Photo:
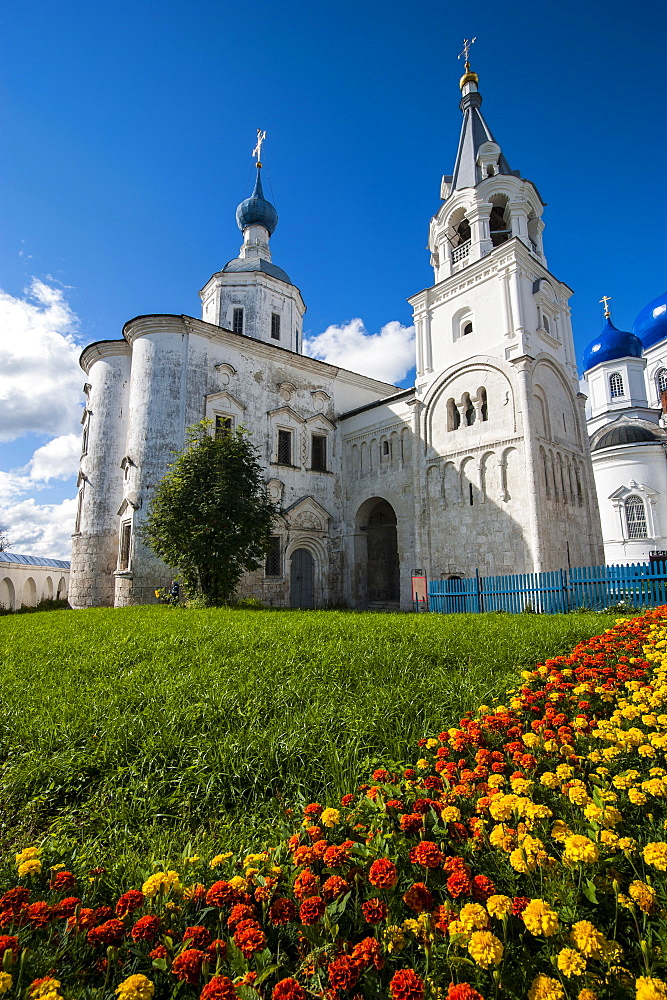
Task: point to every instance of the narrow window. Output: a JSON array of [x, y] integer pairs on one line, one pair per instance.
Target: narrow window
[[484, 408], [635, 515], [545, 323], [453, 415], [385, 447], [467, 328], [223, 426], [273, 564], [237, 321], [470, 494], [275, 326], [318, 453], [84, 436], [124, 549], [285, 447], [79, 511], [469, 409], [615, 385]]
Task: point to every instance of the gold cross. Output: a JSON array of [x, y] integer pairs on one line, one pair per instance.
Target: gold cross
[[257, 151], [467, 43], [606, 299]]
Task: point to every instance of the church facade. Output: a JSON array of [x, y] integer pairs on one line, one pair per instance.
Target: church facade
[[483, 464]]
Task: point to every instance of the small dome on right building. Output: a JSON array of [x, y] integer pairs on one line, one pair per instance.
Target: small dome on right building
[[611, 344], [651, 323]]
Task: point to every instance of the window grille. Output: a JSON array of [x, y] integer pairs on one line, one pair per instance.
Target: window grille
[[318, 453], [237, 321], [615, 385], [635, 515], [275, 326], [124, 550], [285, 447], [661, 380], [273, 564], [223, 426]]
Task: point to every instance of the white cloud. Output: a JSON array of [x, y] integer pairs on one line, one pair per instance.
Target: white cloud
[[57, 459], [40, 529], [41, 379], [388, 355]]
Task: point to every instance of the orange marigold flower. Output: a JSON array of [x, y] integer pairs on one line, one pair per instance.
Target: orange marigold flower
[[130, 901], [282, 911], [219, 988], [312, 910], [367, 953], [158, 952], [383, 873], [334, 887], [66, 906], [482, 888], [111, 932], [347, 800], [411, 822], [38, 914], [306, 884], [83, 921], [343, 973], [217, 949], [427, 854], [406, 985], [239, 912], [335, 856], [313, 809], [459, 884], [374, 911], [221, 894], [61, 881], [463, 991], [8, 941], [418, 897], [197, 937], [288, 989], [187, 966], [249, 937], [14, 899], [146, 928]]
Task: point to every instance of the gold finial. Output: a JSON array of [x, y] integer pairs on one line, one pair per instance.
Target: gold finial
[[468, 76], [606, 299], [257, 151]]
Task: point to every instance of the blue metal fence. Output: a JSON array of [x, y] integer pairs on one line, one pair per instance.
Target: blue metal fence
[[594, 587]]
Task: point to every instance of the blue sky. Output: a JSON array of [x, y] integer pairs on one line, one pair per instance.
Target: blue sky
[[129, 128]]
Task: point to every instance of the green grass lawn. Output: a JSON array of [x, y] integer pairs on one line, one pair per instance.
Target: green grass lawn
[[128, 733]]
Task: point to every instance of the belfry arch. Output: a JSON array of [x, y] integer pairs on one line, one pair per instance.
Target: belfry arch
[[378, 581]]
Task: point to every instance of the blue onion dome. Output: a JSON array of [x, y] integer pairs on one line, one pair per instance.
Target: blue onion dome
[[611, 345], [651, 323], [256, 210]]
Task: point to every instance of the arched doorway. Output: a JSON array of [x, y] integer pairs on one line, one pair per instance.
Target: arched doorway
[[29, 598], [302, 579], [382, 567], [7, 594]]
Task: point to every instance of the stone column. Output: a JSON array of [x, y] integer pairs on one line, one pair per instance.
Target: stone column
[[480, 234]]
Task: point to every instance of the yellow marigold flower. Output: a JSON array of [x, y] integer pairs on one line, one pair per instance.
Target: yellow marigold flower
[[238, 883], [545, 988], [423, 764], [31, 867], [191, 890], [535, 810], [587, 995], [550, 780], [654, 786], [220, 859], [528, 856], [655, 854], [520, 786], [499, 906], [560, 831], [539, 918], [578, 795], [501, 838], [485, 948], [161, 882], [496, 781], [135, 987], [587, 938], [649, 988], [46, 986], [646, 750], [637, 798], [330, 817], [531, 739], [474, 917], [580, 848], [5, 982], [450, 814], [456, 927], [609, 838], [565, 772], [27, 854], [412, 925], [570, 962], [393, 938], [627, 844], [432, 743], [643, 895], [501, 806]]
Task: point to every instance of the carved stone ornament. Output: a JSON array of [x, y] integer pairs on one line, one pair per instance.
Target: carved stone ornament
[[275, 489], [320, 399], [307, 522], [225, 372], [286, 390], [307, 515]]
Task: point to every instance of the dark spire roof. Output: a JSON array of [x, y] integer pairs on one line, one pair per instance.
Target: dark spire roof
[[474, 132]]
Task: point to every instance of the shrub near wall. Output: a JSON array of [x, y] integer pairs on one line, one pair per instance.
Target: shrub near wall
[[523, 856]]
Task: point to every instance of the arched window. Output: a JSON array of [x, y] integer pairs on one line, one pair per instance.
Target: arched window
[[468, 409], [661, 380], [615, 385], [484, 408], [453, 415], [501, 231], [635, 516], [467, 328]]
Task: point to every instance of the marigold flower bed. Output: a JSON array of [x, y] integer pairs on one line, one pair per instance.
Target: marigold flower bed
[[522, 856]]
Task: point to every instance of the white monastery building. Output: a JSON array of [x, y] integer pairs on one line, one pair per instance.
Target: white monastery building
[[625, 378], [483, 464], [27, 580]]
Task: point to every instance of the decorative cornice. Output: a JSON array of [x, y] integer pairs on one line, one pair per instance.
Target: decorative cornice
[[101, 349]]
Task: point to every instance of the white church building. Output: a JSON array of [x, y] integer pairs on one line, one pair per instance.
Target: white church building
[[484, 464]]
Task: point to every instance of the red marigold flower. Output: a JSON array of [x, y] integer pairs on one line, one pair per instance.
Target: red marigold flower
[[221, 894], [306, 884], [381, 774], [8, 941], [217, 949], [38, 914], [455, 864], [14, 899], [442, 917], [427, 854], [463, 991], [250, 937], [374, 911], [84, 920], [146, 928], [66, 906], [158, 952], [61, 881], [334, 887], [411, 822], [519, 904], [424, 806], [312, 910], [482, 888], [197, 936], [458, 884], [457, 831], [288, 989], [367, 953], [394, 804], [335, 856], [111, 932], [409, 773], [383, 873], [433, 782], [219, 988], [282, 911], [129, 902], [187, 965], [314, 809], [304, 855], [314, 832], [343, 973], [418, 898], [406, 985], [103, 913], [238, 913], [347, 800]]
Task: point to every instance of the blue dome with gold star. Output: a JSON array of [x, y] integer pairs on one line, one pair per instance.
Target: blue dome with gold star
[[651, 323], [611, 345], [256, 210]]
